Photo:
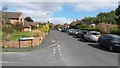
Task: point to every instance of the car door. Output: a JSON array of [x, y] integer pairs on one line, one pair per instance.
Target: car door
[[106, 40], [103, 40], [87, 35]]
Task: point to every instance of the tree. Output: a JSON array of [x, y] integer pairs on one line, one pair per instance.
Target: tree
[[87, 20], [107, 17], [73, 23], [117, 13], [18, 26], [29, 19]]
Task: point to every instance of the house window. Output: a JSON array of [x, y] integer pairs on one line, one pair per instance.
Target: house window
[[21, 19]]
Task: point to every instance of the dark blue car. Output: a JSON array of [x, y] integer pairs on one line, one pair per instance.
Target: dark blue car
[[110, 41]]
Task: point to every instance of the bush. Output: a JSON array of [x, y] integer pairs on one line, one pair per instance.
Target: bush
[[5, 46], [37, 34], [104, 28], [115, 30], [84, 26], [6, 36], [46, 28], [8, 29]]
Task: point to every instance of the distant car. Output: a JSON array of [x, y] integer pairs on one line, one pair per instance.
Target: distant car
[[63, 30], [67, 30], [110, 41], [92, 36], [59, 29], [82, 33]]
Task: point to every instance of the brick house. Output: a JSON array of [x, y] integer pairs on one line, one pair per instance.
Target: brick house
[[13, 17], [35, 24], [27, 27]]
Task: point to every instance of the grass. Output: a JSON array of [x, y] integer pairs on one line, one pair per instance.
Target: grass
[[17, 35]]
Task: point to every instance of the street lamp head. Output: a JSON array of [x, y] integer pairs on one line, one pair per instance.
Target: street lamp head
[[48, 13]]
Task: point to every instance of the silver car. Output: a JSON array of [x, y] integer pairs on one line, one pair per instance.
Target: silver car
[[92, 36]]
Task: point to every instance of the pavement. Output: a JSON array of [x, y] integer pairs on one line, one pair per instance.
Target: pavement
[[68, 52]]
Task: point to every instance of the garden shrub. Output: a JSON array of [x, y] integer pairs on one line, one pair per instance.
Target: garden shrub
[[115, 30], [104, 28], [46, 28]]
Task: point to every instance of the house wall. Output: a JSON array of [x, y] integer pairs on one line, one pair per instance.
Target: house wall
[[14, 21], [26, 29], [21, 19]]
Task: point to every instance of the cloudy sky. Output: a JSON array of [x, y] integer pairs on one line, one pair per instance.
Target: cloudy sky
[[60, 11]]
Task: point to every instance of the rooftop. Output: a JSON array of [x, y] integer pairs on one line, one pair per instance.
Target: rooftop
[[11, 14]]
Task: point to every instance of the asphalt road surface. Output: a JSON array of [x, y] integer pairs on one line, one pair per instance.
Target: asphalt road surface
[[69, 52]]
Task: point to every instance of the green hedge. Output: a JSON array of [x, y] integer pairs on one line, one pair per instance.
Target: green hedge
[[115, 32], [89, 29]]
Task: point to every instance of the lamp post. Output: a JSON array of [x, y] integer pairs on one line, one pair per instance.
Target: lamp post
[[47, 15], [119, 4], [118, 7]]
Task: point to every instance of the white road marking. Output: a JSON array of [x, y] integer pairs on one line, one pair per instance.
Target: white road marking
[[60, 52], [7, 62], [53, 41]]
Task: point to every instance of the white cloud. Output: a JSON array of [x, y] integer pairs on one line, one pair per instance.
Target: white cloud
[[90, 6], [38, 9], [35, 10], [59, 0], [56, 20]]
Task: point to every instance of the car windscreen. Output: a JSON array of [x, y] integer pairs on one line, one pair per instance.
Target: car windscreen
[[117, 39], [84, 32], [95, 33], [79, 31]]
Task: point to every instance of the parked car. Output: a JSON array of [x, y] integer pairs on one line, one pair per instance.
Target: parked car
[[77, 32], [71, 31], [65, 30], [82, 33], [110, 41], [92, 36]]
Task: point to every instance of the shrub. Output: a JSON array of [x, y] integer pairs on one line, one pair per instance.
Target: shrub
[[104, 28], [5, 46], [46, 28], [37, 34], [84, 26], [115, 30], [6, 36]]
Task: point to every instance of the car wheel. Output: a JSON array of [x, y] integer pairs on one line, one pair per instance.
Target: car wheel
[[111, 48], [89, 40], [99, 44]]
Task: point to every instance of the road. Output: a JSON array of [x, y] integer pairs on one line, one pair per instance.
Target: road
[[69, 52]]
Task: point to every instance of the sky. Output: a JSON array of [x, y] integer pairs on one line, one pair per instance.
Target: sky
[[60, 12]]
